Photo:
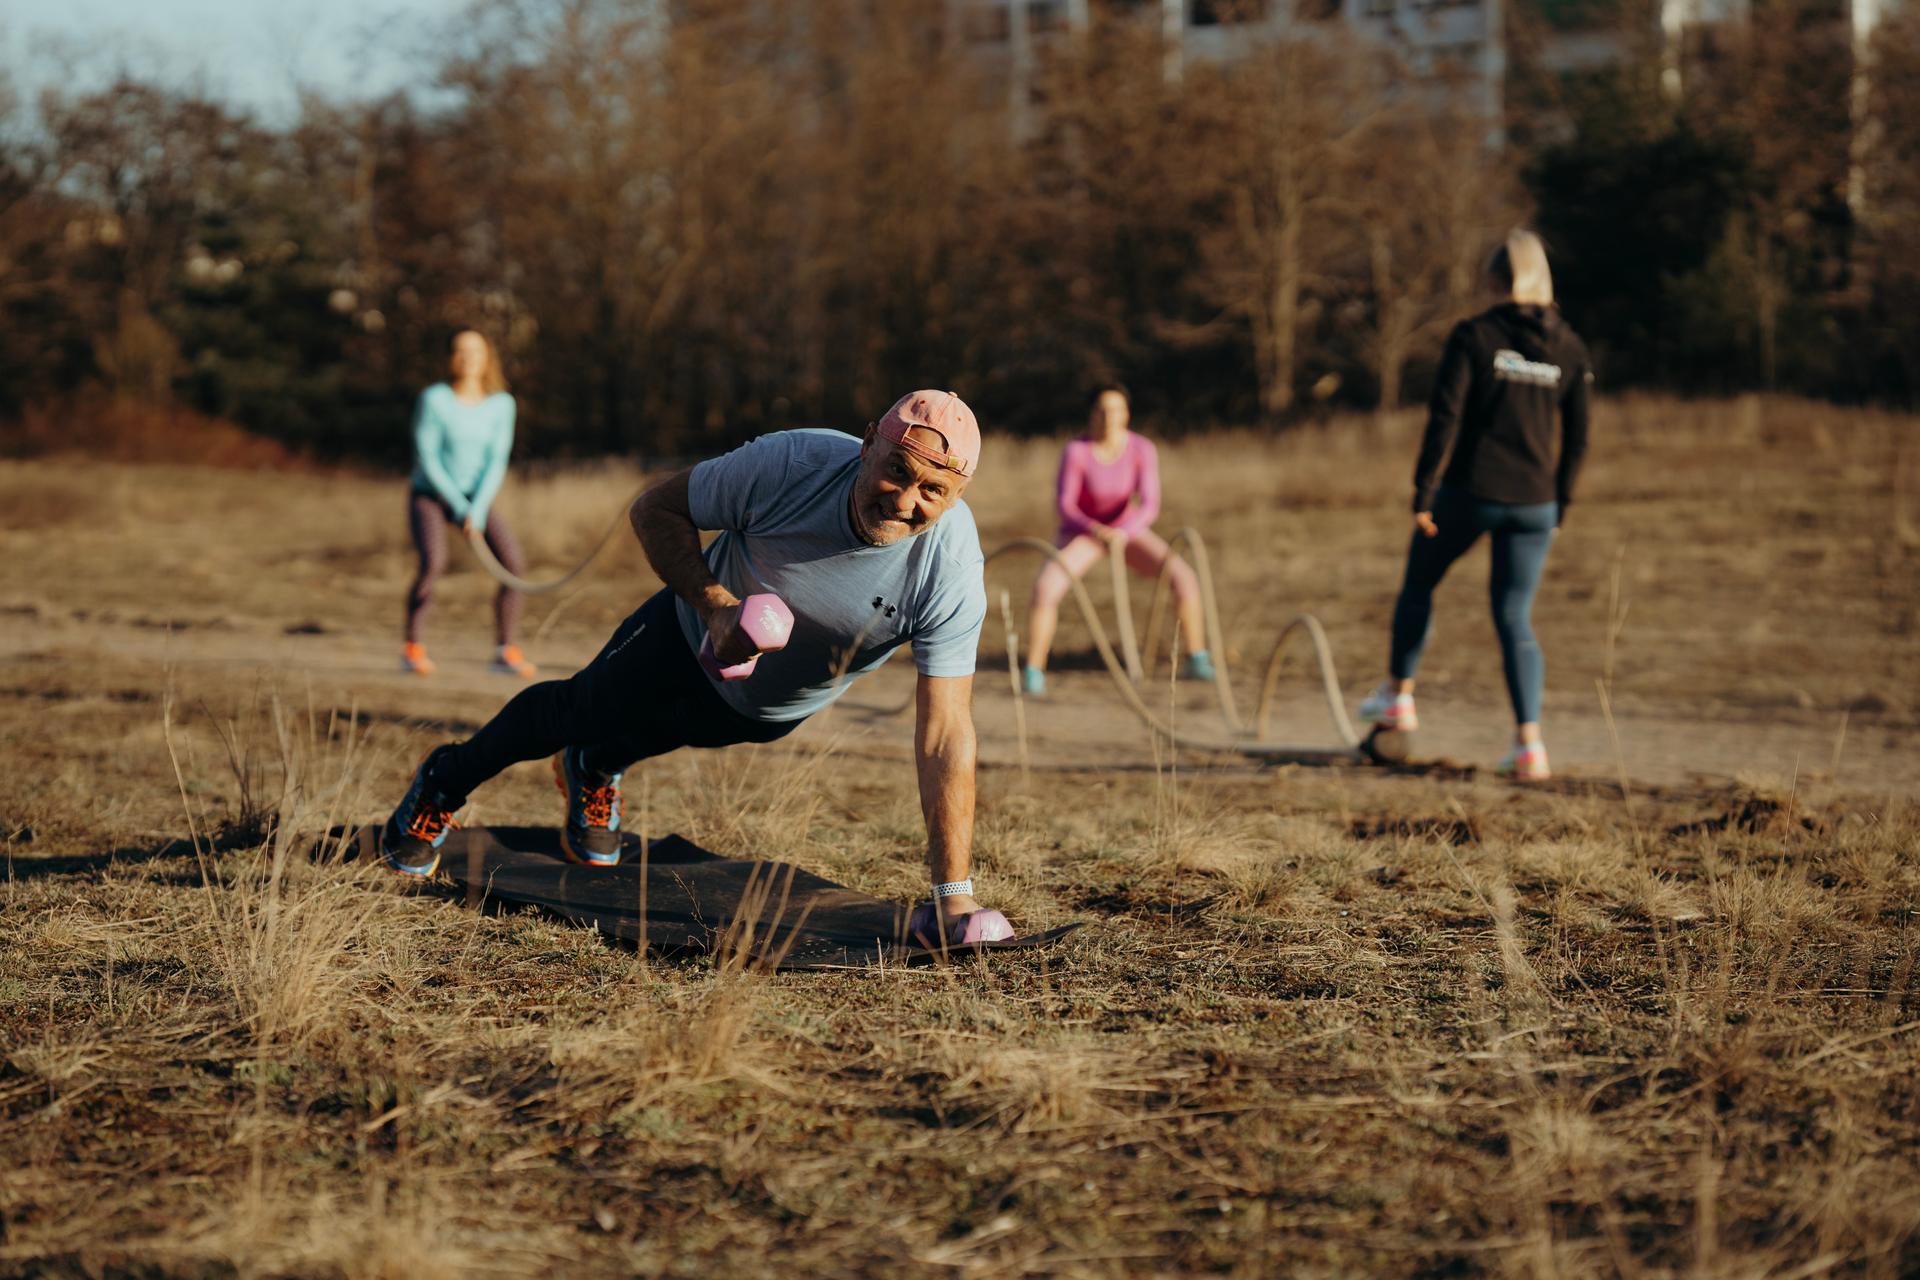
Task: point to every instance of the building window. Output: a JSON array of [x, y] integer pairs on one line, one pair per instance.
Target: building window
[[1224, 13], [988, 24], [1046, 15], [1584, 15], [1456, 59], [993, 23]]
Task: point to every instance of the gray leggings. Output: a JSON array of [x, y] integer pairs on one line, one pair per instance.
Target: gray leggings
[[429, 517]]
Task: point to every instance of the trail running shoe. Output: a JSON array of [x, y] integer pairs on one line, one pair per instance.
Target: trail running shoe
[[1033, 682], [411, 839], [1198, 666], [1389, 710], [591, 833], [509, 661], [414, 660], [1525, 764]]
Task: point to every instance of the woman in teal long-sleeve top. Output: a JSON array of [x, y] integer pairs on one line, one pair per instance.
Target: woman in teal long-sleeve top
[[462, 435]]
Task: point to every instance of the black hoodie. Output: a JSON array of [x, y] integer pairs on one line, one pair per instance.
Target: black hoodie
[[1506, 377]]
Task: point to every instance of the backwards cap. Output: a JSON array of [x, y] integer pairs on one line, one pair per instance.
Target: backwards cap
[[942, 413]]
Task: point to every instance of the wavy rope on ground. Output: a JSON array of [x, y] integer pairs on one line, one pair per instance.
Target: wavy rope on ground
[[1239, 739], [1305, 623], [1127, 667], [508, 578]]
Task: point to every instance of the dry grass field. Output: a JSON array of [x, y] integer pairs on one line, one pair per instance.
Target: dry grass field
[[1658, 1018]]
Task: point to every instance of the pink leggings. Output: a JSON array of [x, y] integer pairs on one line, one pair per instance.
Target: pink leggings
[[429, 517], [1146, 552]]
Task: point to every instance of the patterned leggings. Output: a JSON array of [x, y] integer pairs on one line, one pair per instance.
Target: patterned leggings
[[429, 517]]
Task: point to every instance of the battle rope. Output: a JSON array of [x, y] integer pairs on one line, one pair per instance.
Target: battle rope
[[1316, 636], [1241, 740], [1129, 647], [507, 577], [1126, 667]]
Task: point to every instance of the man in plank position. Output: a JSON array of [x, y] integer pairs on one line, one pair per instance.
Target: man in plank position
[[868, 544]]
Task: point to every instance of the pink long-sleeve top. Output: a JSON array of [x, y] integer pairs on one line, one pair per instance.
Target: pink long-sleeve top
[[1124, 493]]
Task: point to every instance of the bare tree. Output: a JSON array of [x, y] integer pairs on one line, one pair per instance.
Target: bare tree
[[1431, 197], [145, 169], [1287, 124], [1890, 226], [1781, 81]]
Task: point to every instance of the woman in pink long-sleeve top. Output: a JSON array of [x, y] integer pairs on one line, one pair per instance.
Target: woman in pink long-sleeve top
[[1109, 494]]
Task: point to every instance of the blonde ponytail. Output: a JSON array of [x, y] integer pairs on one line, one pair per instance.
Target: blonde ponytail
[[1519, 268]]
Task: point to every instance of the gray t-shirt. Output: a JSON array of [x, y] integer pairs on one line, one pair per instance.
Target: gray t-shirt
[[781, 504]]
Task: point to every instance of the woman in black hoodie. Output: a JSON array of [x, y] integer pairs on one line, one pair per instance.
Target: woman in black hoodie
[[1506, 432]]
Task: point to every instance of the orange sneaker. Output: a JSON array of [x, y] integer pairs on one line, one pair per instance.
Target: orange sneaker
[[509, 661], [414, 660]]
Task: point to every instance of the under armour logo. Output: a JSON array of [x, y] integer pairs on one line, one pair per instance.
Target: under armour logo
[[879, 602]]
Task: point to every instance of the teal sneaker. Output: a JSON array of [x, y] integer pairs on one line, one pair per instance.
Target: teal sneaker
[[1033, 682], [1198, 666]]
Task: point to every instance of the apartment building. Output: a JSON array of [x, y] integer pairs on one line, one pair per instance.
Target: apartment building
[[1456, 49], [1458, 41]]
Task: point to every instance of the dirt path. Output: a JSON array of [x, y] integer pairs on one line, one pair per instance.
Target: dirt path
[[1083, 719], [1081, 723]]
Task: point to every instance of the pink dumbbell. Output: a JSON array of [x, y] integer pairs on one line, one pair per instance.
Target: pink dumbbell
[[768, 623], [986, 925]]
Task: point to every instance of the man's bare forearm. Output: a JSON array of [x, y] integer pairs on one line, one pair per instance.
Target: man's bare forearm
[[945, 750], [946, 799], [672, 545]]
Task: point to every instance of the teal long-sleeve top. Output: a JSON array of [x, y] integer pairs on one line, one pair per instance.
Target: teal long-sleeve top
[[460, 450]]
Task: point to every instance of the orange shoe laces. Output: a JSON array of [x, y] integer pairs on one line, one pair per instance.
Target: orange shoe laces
[[597, 804], [429, 821]]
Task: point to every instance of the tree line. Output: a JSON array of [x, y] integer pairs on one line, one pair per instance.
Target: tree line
[[681, 232]]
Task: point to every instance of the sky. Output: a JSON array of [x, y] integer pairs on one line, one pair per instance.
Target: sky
[[253, 53]]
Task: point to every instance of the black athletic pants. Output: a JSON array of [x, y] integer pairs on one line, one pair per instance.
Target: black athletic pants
[[643, 696]]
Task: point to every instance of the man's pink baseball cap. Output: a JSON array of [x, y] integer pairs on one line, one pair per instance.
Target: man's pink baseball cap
[[942, 413]]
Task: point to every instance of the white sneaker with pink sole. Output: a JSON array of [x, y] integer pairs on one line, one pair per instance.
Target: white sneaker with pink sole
[[1390, 710], [1526, 763]]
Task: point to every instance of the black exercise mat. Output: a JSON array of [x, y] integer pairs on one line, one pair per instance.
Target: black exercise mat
[[675, 897]]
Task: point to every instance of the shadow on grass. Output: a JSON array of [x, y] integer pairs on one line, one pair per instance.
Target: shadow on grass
[[671, 897], [30, 867]]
